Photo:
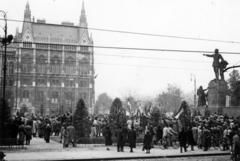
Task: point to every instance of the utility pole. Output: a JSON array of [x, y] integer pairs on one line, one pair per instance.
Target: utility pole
[[194, 90], [5, 41]]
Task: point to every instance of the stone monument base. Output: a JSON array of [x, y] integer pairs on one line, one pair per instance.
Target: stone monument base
[[217, 91]]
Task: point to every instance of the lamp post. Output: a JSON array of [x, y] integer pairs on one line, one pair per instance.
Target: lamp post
[[5, 41], [194, 90]]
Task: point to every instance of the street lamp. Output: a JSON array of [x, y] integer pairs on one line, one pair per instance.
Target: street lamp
[[194, 90], [5, 41]]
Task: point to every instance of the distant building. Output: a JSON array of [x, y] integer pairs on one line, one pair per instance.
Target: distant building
[[55, 65]]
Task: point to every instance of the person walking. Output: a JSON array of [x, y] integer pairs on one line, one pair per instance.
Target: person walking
[[71, 131], [120, 139], [65, 137], [147, 142], [47, 133], [190, 139], [28, 132], [182, 137], [108, 137], [132, 138]]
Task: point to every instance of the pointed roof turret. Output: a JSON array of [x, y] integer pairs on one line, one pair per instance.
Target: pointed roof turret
[[27, 12], [83, 18]]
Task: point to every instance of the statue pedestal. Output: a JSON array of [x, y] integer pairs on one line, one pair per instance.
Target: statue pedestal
[[217, 91]]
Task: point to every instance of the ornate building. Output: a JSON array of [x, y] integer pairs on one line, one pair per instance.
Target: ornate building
[[55, 65], [10, 75]]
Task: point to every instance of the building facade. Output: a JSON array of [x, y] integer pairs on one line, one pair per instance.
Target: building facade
[[10, 75], [55, 65]]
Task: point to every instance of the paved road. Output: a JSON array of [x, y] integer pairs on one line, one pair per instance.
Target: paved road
[[39, 150]]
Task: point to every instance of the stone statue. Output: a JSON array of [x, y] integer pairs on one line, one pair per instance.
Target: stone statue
[[201, 96], [219, 64]]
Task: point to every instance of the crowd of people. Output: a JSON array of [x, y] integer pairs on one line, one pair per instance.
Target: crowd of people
[[214, 131]]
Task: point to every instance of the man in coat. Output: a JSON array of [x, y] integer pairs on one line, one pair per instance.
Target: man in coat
[[182, 137], [120, 139], [47, 133], [108, 136], [71, 131], [147, 142], [132, 138]]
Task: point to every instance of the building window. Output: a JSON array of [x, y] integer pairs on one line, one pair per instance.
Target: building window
[[55, 82], [83, 83], [69, 83], [40, 96], [70, 48], [69, 96], [84, 66], [55, 96], [26, 64], [41, 46], [69, 65], [41, 64], [25, 96], [55, 47], [84, 48], [55, 66], [10, 68], [41, 82], [27, 45], [10, 82], [26, 81]]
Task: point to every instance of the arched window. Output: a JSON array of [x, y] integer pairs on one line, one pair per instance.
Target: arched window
[[55, 64], [41, 64], [26, 63], [69, 65], [55, 96], [25, 96], [84, 66]]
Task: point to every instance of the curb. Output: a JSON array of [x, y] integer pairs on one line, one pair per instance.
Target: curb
[[146, 157]]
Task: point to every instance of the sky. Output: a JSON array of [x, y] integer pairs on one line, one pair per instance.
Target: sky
[[145, 73]]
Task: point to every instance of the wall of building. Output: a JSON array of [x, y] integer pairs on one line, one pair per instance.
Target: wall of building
[[54, 78]]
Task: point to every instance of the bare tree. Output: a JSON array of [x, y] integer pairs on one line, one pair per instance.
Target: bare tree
[[171, 99]]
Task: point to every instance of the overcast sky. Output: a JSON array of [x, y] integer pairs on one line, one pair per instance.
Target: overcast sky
[[145, 73]]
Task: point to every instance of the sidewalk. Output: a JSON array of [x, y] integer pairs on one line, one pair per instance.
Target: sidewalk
[[39, 150]]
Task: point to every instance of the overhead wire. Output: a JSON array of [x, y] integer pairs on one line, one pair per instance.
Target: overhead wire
[[136, 33], [135, 48]]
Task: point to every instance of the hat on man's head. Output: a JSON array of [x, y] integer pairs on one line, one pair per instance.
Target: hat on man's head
[[216, 51]]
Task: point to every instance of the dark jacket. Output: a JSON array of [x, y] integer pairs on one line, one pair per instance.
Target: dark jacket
[[108, 136], [182, 138], [190, 139], [147, 141], [132, 138], [121, 137]]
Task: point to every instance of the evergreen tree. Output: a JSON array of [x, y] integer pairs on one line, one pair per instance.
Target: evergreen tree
[[117, 116], [81, 120]]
